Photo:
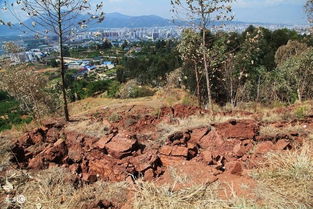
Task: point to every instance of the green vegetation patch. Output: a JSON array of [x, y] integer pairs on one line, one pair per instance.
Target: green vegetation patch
[[10, 112]]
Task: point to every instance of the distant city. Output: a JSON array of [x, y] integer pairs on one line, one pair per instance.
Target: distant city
[[153, 29]]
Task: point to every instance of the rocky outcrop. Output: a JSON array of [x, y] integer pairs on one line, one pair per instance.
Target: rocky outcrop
[[126, 152]]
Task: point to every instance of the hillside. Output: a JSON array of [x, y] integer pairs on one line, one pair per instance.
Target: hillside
[[161, 152]]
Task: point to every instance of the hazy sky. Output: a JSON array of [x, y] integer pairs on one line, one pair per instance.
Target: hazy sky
[[265, 11], [268, 11]]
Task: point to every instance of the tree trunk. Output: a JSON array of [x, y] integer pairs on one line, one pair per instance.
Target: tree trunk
[[206, 70], [299, 95], [198, 85], [66, 114], [258, 89]]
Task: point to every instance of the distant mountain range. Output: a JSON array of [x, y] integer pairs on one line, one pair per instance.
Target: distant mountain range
[[114, 20]]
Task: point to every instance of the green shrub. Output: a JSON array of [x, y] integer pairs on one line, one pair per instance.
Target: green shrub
[[3, 95], [10, 112], [97, 87], [139, 91], [132, 90], [113, 88], [301, 112]]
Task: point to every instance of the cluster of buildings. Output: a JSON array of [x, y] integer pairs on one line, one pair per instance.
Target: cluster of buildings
[[87, 66], [26, 55], [118, 35], [239, 28], [33, 55], [132, 34]]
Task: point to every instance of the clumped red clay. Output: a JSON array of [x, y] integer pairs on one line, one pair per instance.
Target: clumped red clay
[[127, 148]]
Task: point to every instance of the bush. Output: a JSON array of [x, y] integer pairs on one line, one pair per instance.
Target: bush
[[10, 112], [97, 87], [301, 112], [114, 88], [132, 90], [3, 95]]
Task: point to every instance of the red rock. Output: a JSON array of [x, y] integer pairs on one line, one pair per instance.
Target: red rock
[[282, 144], [89, 142], [171, 160], [75, 152], [107, 125], [264, 147], [107, 169], [199, 133], [241, 129], [37, 138], [103, 141], [130, 180], [179, 151], [89, 178], [234, 168], [212, 138], [71, 136], [195, 173], [192, 146], [242, 148], [149, 175], [207, 156], [74, 168], [25, 140], [121, 146], [144, 161], [56, 152], [36, 163], [166, 150], [52, 135]]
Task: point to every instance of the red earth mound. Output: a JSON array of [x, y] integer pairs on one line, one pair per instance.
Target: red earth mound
[[222, 151]]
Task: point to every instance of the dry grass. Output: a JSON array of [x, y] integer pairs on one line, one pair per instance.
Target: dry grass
[[162, 97], [92, 105], [297, 112], [5, 154], [54, 189], [287, 179], [150, 196], [87, 127], [271, 130]]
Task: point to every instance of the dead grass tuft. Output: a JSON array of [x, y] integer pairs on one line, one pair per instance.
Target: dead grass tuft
[[271, 130], [87, 127], [54, 188], [150, 196], [287, 179]]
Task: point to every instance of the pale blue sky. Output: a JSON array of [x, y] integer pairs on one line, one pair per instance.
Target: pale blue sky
[[265, 11], [268, 11]]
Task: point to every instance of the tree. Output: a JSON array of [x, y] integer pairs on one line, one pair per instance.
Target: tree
[[188, 49], [62, 18], [309, 10], [203, 13], [291, 49], [29, 89], [11, 47], [296, 64]]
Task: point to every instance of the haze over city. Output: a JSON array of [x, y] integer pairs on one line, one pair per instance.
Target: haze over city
[[261, 11], [265, 11]]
